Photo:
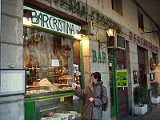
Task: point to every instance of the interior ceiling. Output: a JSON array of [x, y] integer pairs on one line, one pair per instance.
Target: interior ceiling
[[152, 8]]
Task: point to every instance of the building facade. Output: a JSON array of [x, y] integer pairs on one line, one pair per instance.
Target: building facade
[[132, 51]]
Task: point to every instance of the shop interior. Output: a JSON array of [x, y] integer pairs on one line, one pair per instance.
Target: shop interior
[[52, 64]]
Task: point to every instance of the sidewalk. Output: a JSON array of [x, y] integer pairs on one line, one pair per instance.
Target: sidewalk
[[150, 115]]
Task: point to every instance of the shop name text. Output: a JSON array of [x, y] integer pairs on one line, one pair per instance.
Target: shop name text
[[100, 57]]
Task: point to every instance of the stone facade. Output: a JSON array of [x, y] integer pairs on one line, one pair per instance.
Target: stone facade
[[12, 31], [12, 107]]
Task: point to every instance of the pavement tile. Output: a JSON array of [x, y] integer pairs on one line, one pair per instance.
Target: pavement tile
[[153, 114]]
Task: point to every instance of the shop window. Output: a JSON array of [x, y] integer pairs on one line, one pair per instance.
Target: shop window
[[141, 66], [50, 58], [155, 57], [140, 21], [117, 6], [153, 62], [121, 59], [141, 55]]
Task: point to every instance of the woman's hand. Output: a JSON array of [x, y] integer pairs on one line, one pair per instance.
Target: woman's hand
[[74, 85], [91, 99]]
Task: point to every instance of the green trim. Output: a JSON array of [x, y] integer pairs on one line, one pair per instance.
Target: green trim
[[113, 110], [29, 111], [49, 97], [115, 90], [82, 65]]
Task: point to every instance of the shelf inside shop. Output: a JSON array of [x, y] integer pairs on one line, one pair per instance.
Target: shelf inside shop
[[52, 107], [48, 94]]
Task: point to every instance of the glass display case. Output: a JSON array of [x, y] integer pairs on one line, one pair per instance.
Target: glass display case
[[53, 107]]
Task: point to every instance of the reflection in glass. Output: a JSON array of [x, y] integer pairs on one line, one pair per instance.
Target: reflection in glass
[[111, 85]]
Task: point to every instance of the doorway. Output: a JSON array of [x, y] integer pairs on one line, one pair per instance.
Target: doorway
[[141, 66], [122, 91], [113, 98]]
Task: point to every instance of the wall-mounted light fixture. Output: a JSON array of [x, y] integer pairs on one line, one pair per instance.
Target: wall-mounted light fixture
[[26, 15], [111, 33], [82, 32], [152, 64]]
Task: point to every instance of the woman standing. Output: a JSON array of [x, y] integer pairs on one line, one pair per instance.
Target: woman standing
[[95, 95]]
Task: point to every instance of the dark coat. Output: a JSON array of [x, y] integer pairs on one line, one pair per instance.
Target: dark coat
[[93, 110]]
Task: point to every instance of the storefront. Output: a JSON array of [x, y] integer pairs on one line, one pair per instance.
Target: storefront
[[52, 61], [118, 75], [147, 59], [138, 71], [52, 57], [141, 65]]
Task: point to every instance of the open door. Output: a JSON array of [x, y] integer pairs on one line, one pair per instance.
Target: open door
[[113, 97]]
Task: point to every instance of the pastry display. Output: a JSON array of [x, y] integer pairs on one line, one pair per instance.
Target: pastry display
[[39, 50], [65, 77], [34, 84], [45, 82], [47, 60], [64, 115]]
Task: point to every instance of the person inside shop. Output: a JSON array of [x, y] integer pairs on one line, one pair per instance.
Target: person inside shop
[[95, 95]]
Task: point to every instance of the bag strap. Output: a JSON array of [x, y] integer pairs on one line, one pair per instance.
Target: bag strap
[[101, 91]]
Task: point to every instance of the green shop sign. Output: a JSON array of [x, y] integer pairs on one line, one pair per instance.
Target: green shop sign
[[100, 57], [122, 78], [52, 23]]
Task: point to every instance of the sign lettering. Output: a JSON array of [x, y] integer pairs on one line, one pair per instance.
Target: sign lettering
[[122, 78], [72, 6], [100, 58], [52, 23], [144, 43]]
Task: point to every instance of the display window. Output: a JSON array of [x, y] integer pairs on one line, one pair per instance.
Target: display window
[[50, 60]]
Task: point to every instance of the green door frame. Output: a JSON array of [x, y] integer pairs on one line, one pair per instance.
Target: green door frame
[[114, 109]]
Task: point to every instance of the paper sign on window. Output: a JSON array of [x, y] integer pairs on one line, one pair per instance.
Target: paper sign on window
[[55, 62]]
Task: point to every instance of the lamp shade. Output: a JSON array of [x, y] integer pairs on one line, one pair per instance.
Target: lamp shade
[[111, 32], [82, 32], [27, 13]]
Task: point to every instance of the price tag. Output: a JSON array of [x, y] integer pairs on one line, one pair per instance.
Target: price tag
[[61, 99]]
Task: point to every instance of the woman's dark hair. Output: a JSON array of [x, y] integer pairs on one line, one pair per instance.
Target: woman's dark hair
[[97, 76]]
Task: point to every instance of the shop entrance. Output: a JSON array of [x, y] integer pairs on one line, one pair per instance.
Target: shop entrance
[[113, 94], [122, 92], [141, 65]]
